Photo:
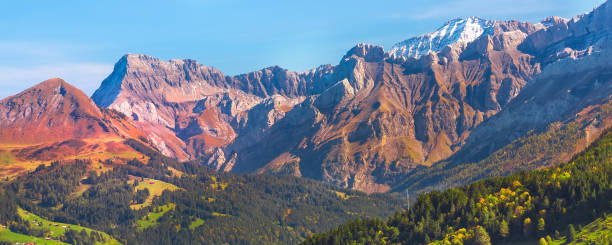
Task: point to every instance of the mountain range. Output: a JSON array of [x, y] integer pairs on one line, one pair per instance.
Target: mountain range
[[495, 131], [361, 124], [432, 112]]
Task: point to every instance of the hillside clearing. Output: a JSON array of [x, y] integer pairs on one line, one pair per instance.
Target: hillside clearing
[[155, 187], [57, 229]]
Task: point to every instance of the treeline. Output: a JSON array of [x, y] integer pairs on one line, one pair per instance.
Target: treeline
[[526, 206], [50, 185]]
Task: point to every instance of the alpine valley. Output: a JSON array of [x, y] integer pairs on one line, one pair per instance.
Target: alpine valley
[[176, 152]]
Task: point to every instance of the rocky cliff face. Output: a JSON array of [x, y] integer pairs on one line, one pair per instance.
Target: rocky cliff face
[[191, 110]]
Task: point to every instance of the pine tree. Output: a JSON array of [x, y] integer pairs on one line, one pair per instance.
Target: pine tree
[[572, 233], [504, 230], [481, 237]]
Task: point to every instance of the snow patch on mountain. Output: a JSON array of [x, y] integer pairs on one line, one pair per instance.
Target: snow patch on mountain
[[457, 31]]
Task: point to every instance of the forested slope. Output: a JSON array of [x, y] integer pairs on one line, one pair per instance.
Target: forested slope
[[519, 208], [164, 201]]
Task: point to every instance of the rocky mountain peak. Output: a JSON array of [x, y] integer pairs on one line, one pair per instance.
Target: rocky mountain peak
[[369, 52], [53, 82], [43, 108], [54, 94], [56, 86], [53, 120], [553, 20], [132, 57]]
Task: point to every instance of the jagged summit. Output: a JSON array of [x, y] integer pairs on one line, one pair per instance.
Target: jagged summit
[[131, 67], [553, 20], [367, 51], [459, 31]]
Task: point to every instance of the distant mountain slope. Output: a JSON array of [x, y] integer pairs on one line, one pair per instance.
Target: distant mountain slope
[[517, 209], [53, 121], [558, 114]]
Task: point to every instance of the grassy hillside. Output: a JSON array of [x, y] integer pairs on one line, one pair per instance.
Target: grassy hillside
[[152, 218], [57, 230], [8, 236], [154, 187], [596, 232], [43, 231]]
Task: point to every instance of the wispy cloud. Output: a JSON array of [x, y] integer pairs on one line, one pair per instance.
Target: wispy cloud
[[26, 63], [12, 48], [484, 8], [16, 52], [86, 76]]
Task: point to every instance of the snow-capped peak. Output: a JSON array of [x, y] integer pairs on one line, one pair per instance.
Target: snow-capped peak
[[457, 31]]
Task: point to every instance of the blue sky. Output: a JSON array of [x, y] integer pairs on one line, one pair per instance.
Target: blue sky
[[81, 40]]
